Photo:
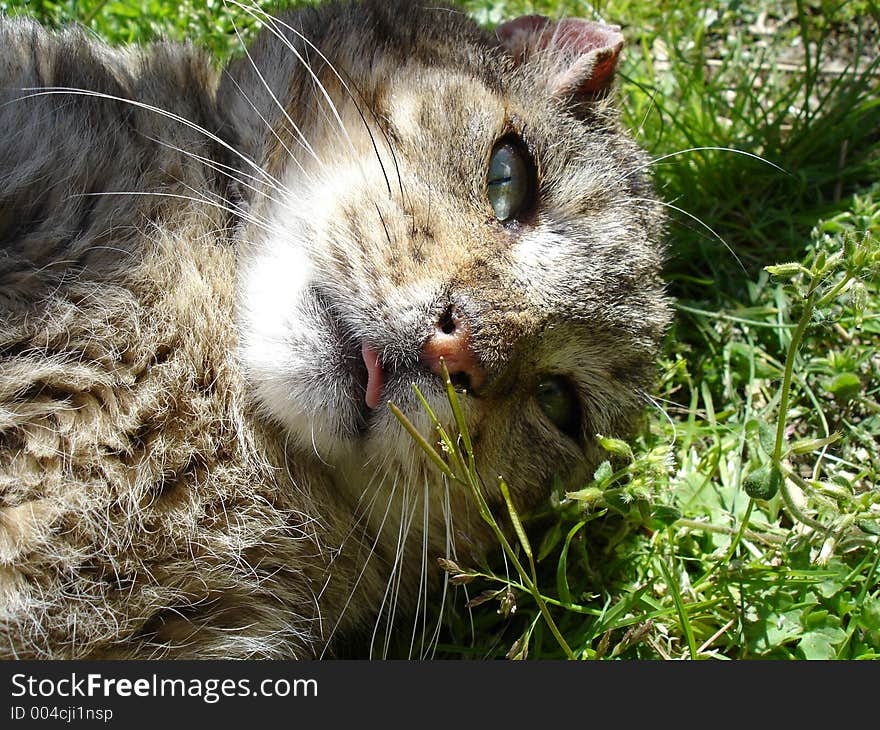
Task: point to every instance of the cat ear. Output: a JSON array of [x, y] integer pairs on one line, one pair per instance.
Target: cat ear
[[582, 54]]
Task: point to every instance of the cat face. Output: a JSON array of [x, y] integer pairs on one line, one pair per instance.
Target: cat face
[[432, 192]]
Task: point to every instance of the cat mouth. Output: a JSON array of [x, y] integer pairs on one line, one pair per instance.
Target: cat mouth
[[368, 379], [357, 380], [375, 381]]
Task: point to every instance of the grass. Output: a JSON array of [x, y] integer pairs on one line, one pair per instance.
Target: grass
[[742, 520]]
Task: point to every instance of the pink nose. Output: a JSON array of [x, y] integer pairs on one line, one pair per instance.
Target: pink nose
[[451, 342]]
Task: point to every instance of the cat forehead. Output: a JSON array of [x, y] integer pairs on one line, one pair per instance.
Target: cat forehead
[[457, 104]]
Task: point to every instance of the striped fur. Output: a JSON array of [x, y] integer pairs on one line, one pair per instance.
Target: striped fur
[[188, 262]]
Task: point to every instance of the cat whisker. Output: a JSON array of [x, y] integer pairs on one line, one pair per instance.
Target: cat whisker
[[422, 594], [656, 404], [315, 448], [272, 26], [346, 87], [238, 210], [375, 483], [640, 132], [426, 566], [410, 516], [372, 549], [696, 219], [384, 226], [302, 138], [193, 198], [61, 90], [732, 150], [393, 583], [448, 550], [350, 89], [222, 169]]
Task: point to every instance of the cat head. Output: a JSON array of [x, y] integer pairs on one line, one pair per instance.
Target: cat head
[[425, 190]]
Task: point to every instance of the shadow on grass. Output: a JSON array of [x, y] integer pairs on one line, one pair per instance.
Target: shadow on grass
[[819, 140]]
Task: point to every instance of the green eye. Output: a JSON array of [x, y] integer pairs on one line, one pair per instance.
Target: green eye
[[557, 399], [509, 181]]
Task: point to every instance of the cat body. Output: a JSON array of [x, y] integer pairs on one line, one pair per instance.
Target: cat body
[[211, 283]]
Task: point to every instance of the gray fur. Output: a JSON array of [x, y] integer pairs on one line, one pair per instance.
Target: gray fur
[[186, 469]]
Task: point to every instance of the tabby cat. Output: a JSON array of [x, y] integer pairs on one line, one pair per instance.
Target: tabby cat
[[213, 283]]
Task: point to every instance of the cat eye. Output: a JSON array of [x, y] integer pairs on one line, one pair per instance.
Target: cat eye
[[509, 181], [558, 400]]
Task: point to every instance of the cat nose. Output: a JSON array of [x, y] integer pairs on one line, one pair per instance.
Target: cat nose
[[451, 343]]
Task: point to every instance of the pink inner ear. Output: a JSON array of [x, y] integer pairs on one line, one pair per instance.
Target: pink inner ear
[[584, 36], [521, 34], [525, 23], [587, 51]]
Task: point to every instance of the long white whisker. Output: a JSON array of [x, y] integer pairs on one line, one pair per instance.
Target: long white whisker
[[193, 198], [422, 595], [272, 26], [222, 169], [654, 402], [278, 22], [703, 149], [395, 576], [450, 550], [61, 90], [641, 130], [363, 569], [697, 220], [410, 516], [302, 138]]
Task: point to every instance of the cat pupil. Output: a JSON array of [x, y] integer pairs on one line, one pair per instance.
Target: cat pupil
[[557, 399], [508, 181]]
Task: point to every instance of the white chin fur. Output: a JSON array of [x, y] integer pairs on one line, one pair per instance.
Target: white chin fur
[[283, 342]]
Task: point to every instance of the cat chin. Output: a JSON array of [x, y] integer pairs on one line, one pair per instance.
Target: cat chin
[[306, 371]]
